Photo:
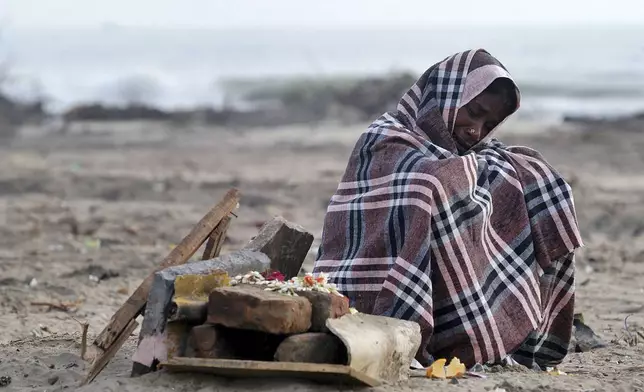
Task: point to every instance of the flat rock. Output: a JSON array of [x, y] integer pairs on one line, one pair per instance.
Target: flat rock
[[325, 306], [249, 307], [312, 348], [285, 243]]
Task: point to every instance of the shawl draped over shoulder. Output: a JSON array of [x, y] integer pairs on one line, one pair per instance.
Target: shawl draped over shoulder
[[477, 248]]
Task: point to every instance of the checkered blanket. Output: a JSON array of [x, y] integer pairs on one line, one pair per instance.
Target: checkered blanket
[[477, 248]]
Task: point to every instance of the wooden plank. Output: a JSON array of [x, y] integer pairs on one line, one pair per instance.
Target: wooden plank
[[179, 255], [107, 356], [243, 369], [109, 337], [216, 239]]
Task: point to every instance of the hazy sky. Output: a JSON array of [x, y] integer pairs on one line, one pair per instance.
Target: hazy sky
[[258, 13]]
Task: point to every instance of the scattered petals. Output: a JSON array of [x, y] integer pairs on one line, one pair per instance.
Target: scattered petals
[[274, 281]]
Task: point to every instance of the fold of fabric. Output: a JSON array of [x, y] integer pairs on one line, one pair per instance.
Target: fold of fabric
[[478, 249]]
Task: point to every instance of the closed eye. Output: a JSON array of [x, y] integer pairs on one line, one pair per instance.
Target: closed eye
[[475, 110]]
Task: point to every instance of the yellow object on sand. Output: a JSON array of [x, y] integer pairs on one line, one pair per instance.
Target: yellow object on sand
[[438, 369], [555, 372], [455, 368]]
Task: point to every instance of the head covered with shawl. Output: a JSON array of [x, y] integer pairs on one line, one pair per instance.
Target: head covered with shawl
[[439, 104], [437, 222]]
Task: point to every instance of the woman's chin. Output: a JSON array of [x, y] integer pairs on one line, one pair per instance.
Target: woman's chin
[[462, 148]]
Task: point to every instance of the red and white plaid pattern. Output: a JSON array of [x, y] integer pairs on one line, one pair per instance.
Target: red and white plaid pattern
[[478, 248]]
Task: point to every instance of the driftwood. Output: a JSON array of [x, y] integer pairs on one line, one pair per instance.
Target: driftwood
[[111, 338]]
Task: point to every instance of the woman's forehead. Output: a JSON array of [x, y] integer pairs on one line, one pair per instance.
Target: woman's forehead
[[477, 80]]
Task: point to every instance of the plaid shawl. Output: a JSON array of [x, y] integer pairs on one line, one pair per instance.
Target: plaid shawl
[[477, 248]]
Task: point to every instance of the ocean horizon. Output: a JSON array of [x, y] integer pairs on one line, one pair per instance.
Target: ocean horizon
[[587, 70]]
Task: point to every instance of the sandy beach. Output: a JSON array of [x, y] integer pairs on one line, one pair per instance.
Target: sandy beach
[[86, 215]]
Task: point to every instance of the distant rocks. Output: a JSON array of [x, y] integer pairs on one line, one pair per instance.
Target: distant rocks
[[631, 123]]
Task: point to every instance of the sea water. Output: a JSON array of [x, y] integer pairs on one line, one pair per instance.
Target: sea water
[[560, 70]]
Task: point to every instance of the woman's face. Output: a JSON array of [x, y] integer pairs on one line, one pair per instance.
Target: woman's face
[[476, 119]]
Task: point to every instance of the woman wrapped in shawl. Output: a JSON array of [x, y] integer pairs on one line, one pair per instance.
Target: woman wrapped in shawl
[[436, 222]]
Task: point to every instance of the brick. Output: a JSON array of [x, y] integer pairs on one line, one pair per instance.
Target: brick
[[250, 307], [285, 243], [204, 342], [312, 347], [214, 341], [324, 306]]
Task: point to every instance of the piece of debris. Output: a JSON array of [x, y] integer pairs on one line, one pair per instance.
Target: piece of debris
[[553, 371], [585, 338], [437, 369], [477, 368], [5, 380], [40, 331], [312, 347], [52, 380], [92, 243], [96, 273], [285, 243], [33, 282], [381, 347], [455, 368], [62, 306], [84, 328]]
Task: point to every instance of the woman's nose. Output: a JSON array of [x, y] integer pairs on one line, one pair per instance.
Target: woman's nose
[[474, 131]]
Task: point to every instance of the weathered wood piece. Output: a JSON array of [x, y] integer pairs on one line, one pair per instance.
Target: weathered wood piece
[[285, 243], [312, 347], [179, 255], [250, 307], [102, 361], [103, 347], [182, 285], [216, 239], [336, 374], [381, 347]]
